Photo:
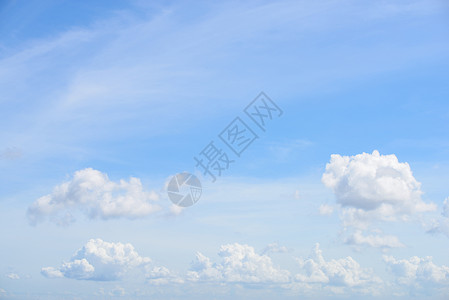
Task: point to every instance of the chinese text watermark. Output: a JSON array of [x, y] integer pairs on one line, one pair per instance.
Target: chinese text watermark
[[212, 161]]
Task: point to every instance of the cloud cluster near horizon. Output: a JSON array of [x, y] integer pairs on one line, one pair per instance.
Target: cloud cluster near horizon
[[99, 260]]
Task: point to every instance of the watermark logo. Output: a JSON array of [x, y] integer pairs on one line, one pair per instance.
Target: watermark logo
[[238, 136], [213, 160], [262, 110], [184, 189]]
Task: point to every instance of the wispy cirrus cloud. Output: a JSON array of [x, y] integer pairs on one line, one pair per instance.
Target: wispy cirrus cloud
[[13, 276], [373, 240], [151, 60]]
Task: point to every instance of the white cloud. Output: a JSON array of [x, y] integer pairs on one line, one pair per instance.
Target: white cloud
[[377, 241], [446, 208], [274, 248], [13, 276], [371, 181], [99, 260], [240, 263], [117, 292], [176, 210], [93, 193], [442, 227], [373, 188], [441, 223], [326, 210], [418, 272], [161, 275], [345, 272], [51, 272], [103, 261]]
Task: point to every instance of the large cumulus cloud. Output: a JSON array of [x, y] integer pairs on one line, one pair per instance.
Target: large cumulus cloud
[[370, 181], [374, 188], [99, 260], [418, 272], [240, 263], [344, 272], [93, 193]]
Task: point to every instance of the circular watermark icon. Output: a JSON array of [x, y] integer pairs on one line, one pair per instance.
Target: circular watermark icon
[[184, 189]]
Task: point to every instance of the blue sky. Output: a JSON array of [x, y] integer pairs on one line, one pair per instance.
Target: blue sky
[[101, 103]]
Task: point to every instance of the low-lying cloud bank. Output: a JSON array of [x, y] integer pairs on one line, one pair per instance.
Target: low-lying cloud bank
[[241, 264]]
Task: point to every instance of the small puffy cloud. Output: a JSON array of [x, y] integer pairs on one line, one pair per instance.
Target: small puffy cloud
[[377, 241], [326, 210], [440, 224], [176, 210], [100, 292], [93, 193], [99, 260], [239, 264], [418, 272], [13, 276], [160, 275], [274, 248], [51, 272], [117, 292], [344, 272], [446, 208]]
